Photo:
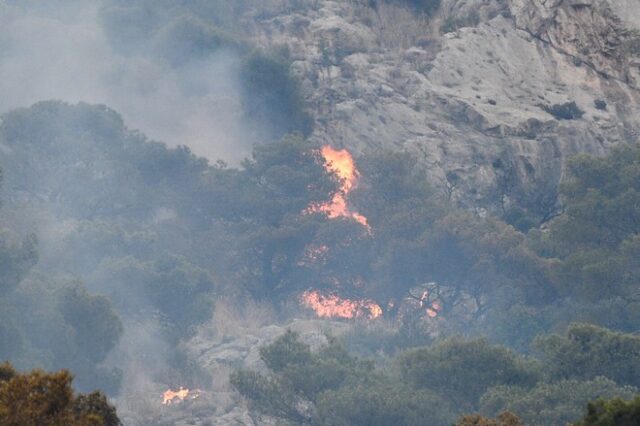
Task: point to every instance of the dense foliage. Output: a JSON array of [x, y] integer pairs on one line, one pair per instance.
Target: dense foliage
[[428, 7], [615, 412], [54, 323], [430, 384], [47, 399], [161, 233], [504, 419], [331, 387], [111, 243]]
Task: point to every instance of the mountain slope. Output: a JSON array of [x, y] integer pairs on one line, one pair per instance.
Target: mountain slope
[[482, 91]]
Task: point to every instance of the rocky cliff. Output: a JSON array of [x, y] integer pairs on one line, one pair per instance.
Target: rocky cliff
[[493, 95]]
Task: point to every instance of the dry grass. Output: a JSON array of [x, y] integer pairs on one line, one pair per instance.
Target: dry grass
[[232, 318]]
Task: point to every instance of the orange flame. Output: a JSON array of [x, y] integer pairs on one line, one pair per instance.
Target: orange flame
[[169, 397], [340, 162], [433, 308], [432, 312], [333, 306]]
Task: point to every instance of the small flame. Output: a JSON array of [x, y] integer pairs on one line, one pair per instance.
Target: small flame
[[332, 306], [432, 312], [433, 308], [340, 162], [169, 397]]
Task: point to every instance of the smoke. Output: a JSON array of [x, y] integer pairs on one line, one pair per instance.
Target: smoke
[[76, 51], [142, 354], [60, 50]]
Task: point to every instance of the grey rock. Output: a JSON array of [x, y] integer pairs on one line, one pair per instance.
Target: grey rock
[[468, 97]]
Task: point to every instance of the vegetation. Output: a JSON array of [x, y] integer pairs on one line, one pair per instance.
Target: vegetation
[[47, 399], [566, 111], [428, 7], [465, 370], [504, 419], [520, 318], [437, 382], [54, 324], [184, 34], [331, 387], [125, 226], [588, 362], [587, 352], [615, 412], [271, 95]]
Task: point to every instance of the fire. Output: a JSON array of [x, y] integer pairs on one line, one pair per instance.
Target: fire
[[432, 307], [432, 312], [332, 306], [340, 162], [169, 397]]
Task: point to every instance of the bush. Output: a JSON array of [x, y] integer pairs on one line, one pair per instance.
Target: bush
[[381, 404], [343, 389], [97, 327], [588, 351], [504, 419], [551, 403], [47, 399], [464, 370], [271, 96], [615, 412], [566, 111], [600, 104], [428, 7]]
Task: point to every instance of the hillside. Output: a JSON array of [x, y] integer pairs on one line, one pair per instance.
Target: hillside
[[471, 90], [321, 212]]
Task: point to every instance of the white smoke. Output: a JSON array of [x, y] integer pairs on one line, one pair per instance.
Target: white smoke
[[58, 50]]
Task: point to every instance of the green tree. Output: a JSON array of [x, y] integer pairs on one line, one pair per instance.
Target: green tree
[[381, 403], [464, 369], [97, 328], [596, 238], [332, 387], [614, 412], [588, 351], [16, 259], [95, 404], [504, 419], [47, 399], [272, 95], [179, 290], [268, 395], [554, 403], [286, 351]]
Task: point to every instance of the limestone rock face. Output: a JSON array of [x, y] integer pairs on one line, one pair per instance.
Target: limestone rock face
[[220, 353], [587, 30], [471, 90], [628, 11]]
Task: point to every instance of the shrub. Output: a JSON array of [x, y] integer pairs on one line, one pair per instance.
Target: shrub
[[464, 370], [272, 96], [428, 7], [615, 412], [600, 104], [566, 111]]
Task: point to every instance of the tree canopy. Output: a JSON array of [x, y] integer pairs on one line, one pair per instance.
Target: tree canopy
[[47, 399]]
